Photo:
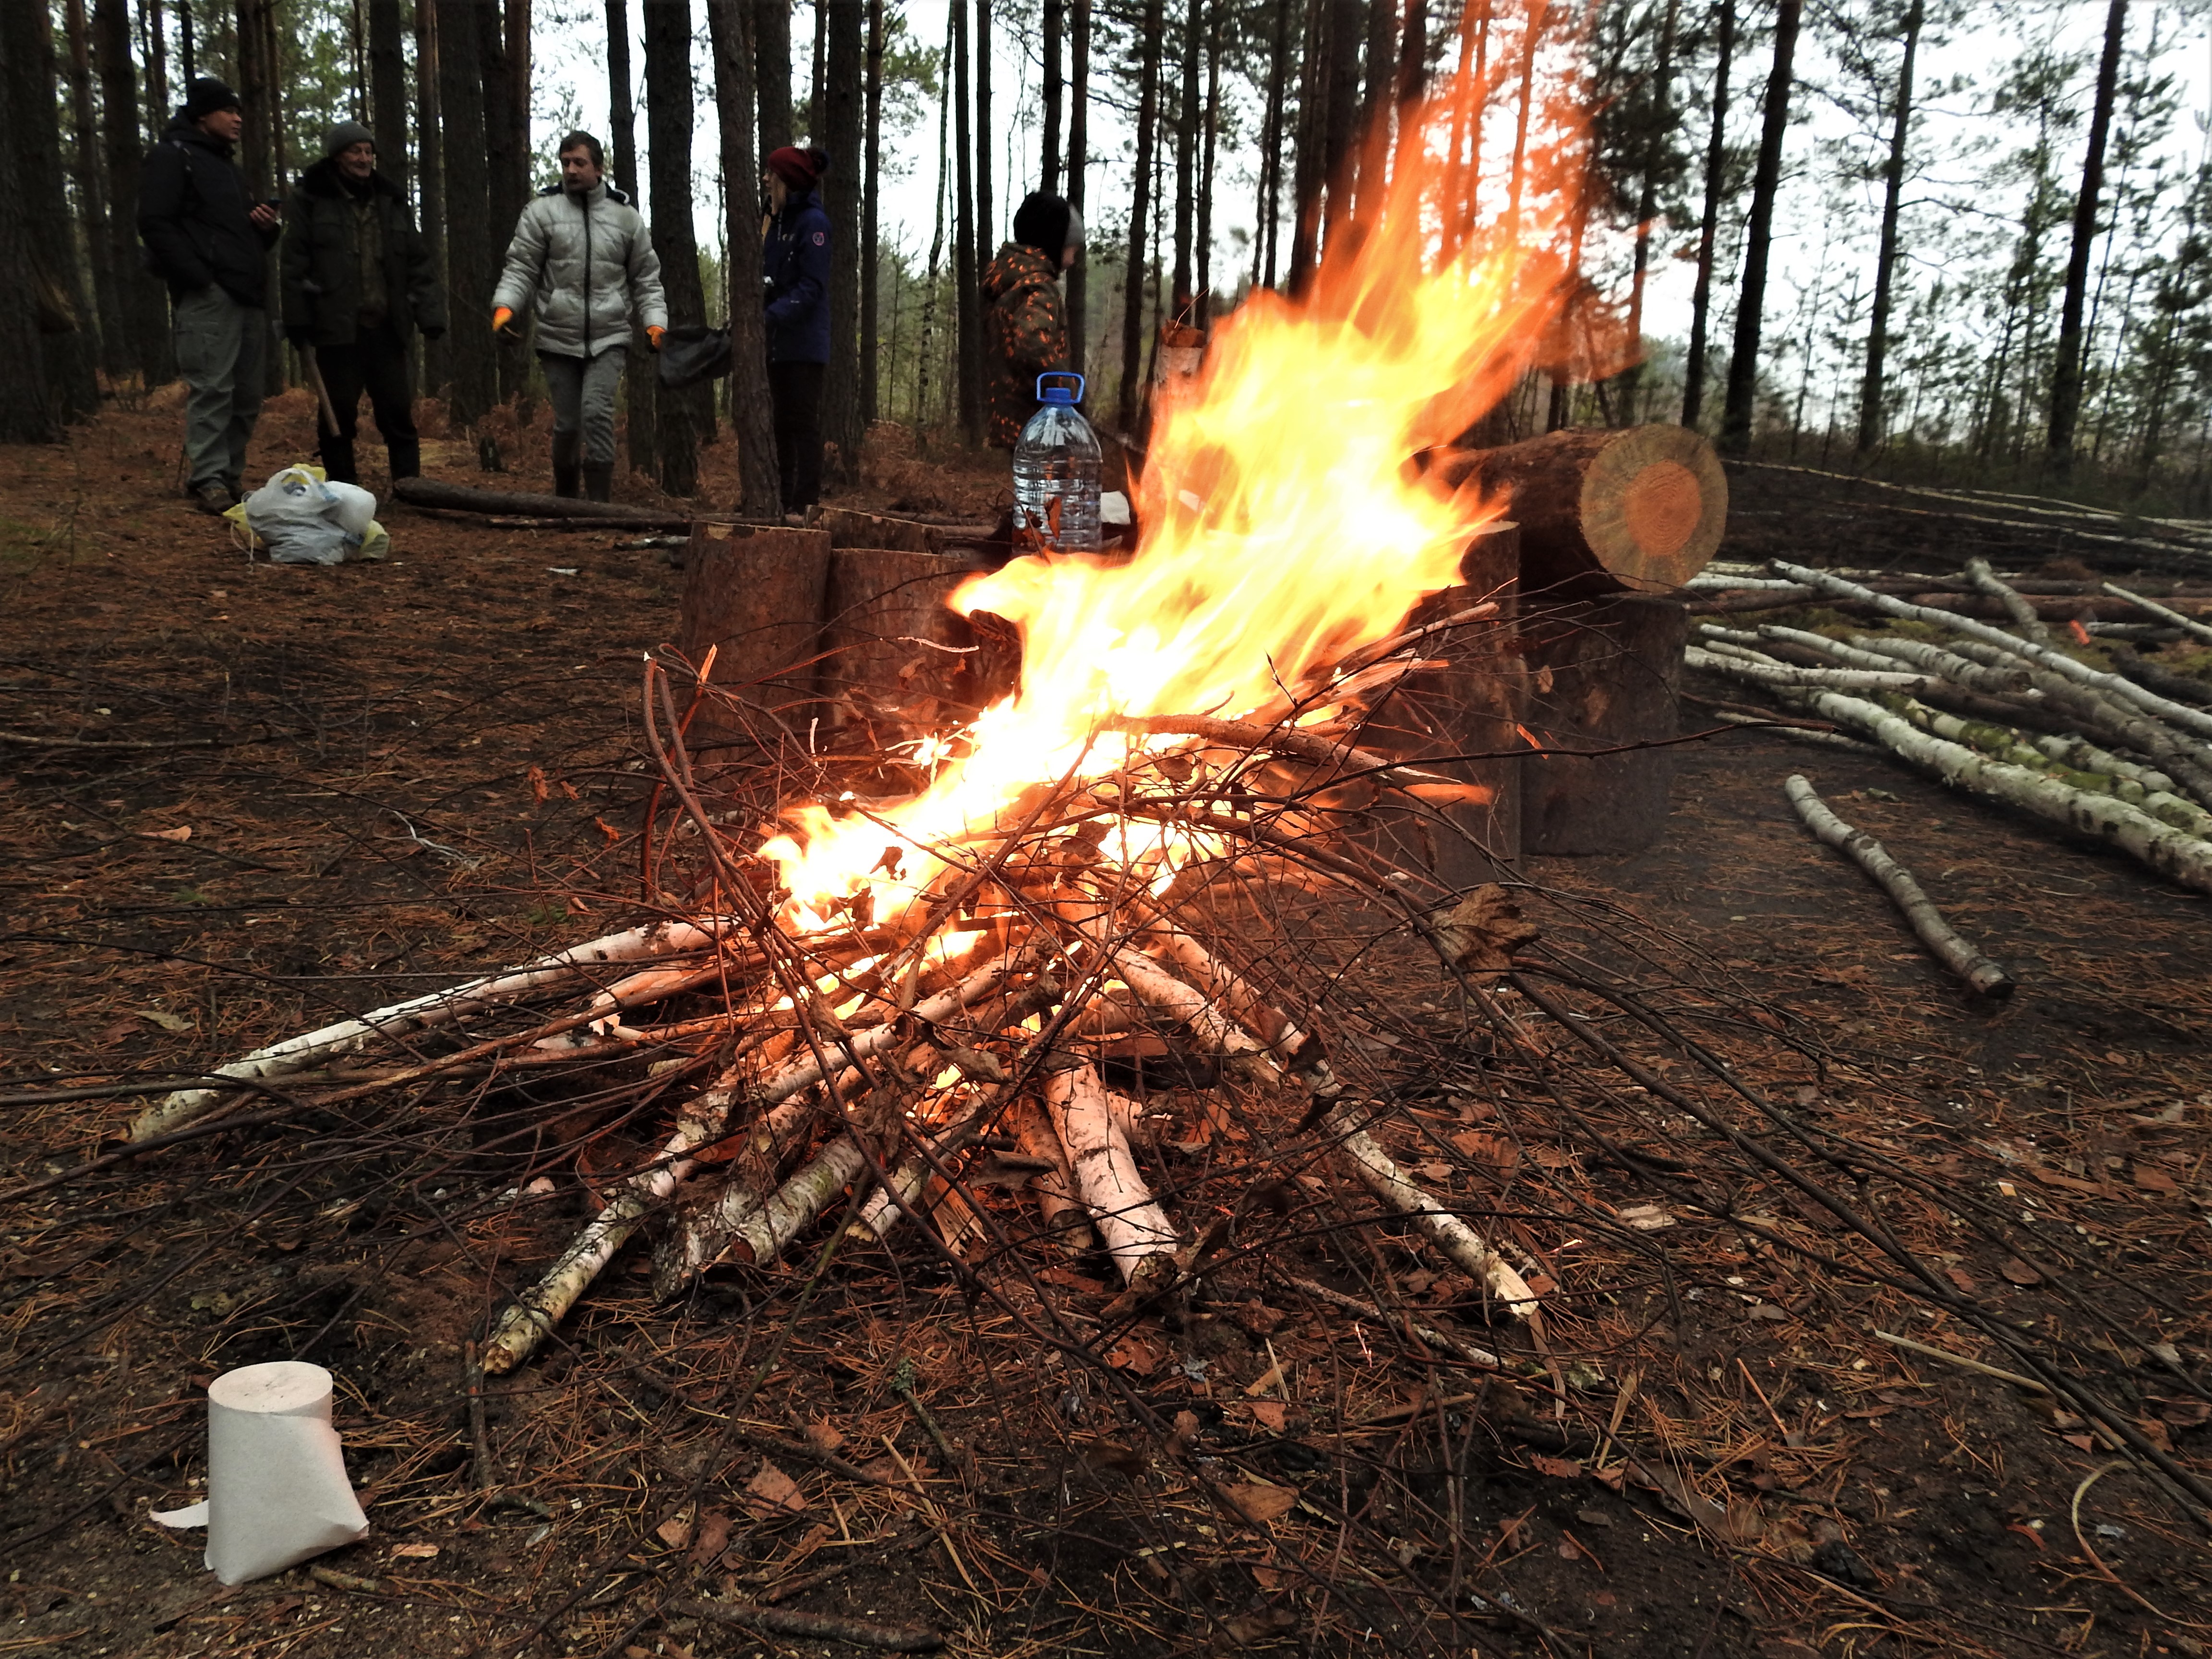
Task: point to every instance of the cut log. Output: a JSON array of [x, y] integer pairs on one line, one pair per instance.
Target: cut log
[[525, 504], [1640, 509], [891, 644], [753, 594], [848, 528], [1927, 923], [1472, 707], [1603, 675]]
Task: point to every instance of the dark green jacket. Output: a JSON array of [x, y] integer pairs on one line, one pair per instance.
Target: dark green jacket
[[322, 277]]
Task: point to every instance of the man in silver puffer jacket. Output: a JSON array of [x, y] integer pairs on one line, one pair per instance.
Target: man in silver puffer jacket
[[581, 254]]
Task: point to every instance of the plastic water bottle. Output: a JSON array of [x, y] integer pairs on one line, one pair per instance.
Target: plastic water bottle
[[1056, 472]]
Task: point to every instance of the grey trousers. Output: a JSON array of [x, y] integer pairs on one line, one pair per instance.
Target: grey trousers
[[222, 346], [583, 394]]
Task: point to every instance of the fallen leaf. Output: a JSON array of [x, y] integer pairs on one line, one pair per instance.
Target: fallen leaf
[[1269, 1414], [1111, 1455], [1186, 1430], [1961, 1278], [1260, 1500], [2152, 1179], [711, 1534], [824, 1435], [1645, 1217], [1257, 1317], [772, 1492], [538, 789], [1434, 1171], [1559, 1468], [416, 1551], [2181, 1413], [676, 1531], [1480, 934], [2019, 1272], [1766, 1310], [1137, 1352], [1495, 1151], [175, 1024], [182, 832], [1248, 1629]]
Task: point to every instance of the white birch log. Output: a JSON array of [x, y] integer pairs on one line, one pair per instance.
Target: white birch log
[[2188, 625], [1986, 580], [2179, 857], [1927, 923], [1135, 1230], [423, 1014], [1066, 1221], [762, 1237], [1789, 674], [2178, 715], [1459, 1242], [700, 1234], [1849, 656]]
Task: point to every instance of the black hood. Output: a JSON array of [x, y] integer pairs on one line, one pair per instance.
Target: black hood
[[323, 180]]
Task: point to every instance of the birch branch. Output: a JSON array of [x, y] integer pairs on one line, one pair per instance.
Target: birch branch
[[2188, 625], [1986, 580], [1927, 923], [1135, 1230]]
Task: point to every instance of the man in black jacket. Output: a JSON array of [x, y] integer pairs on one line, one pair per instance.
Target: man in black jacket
[[357, 281], [206, 235]]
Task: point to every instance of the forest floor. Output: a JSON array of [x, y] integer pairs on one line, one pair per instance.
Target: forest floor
[[395, 775]]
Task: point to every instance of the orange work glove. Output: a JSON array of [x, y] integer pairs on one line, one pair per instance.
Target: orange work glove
[[652, 336], [501, 317]]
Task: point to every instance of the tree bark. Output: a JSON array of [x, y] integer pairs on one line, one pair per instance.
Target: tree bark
[[735, 56], [1701, 295], [153, 43], [1340, 161], [771, 38], [755, 594], [639, 404], [969, 355], [1056, 13], [987, 220], [46, 345], [1375, 96], [1209, 133], [2066, 375], [387, 91], [1079, 167], [507, 161], [104, 325], [843, 132], [1660, 121], [437, 355], [142, 304], [1872, 427], [469, 251], [871, 210], [1736, 415], [683, 416], [1140, 210], [931, 286], [814, 89], [1186, 159], [1605, 676], [1309, 169]]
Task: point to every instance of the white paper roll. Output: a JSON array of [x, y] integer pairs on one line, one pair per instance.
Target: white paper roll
[[277, 1492]]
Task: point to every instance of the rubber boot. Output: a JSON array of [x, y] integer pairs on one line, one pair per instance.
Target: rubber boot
[[566, 447], [406, 457], [598, 481], [337, 459]]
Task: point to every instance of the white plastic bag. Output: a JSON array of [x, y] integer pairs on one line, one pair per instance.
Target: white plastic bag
[[277, 1492], [295, 514], [356, 509]]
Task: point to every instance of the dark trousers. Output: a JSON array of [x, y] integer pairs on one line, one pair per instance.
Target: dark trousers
[[376, 362], [795, 392]]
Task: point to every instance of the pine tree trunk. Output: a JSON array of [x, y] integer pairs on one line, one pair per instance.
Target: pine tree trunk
[[506, 166], [153, 45], [260, 88], [1310, 165], [430, 194], [1186, 159], [1339, 160], [750, 416], [27, 411], [1210, 130], [1758, 236], [1375, 96], [931, 284], [1269, 210], [1140, 210], [639, 407], [111, 337], [1413, 52], [2066, 375], [1872, 427], [1701, 295], [682, 417], [387, 91], [970, 364], [771, 38], [1661, 124], [1055, 12], [842, 131], [871, 208], [469, 249], [141, 303], [1079, 167], [987, 220], [43, 261]]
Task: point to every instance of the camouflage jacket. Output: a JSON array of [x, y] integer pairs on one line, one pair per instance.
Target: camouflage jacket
[[1024, 334]]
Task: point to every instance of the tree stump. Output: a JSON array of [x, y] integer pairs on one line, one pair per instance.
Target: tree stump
[[848, 528], [896, 656], [1472, 707], [1642, 508], [755, 594], [1603, 673]]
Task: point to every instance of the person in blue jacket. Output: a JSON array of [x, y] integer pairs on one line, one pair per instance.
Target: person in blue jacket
[[795, 259]]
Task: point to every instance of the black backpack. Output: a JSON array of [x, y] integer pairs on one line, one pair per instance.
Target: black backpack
[[692, 354]]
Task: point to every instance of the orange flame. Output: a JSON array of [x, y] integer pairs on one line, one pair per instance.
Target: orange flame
[[1282, 523]]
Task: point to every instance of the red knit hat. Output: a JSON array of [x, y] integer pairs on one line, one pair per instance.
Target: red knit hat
[[800, 169]]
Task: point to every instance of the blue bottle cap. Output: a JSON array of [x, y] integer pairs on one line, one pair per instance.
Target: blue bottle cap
[[1060, 394]]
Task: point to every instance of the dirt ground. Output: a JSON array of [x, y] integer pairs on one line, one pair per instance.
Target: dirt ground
[[395, 775]]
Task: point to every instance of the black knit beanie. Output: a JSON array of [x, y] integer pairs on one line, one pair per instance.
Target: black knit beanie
[[1045, 223]]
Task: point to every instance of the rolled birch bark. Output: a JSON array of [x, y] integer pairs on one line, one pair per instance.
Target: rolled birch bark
[[423, 1014], [2179, 857], [1458, 1241], [1927, 923], [1135, 1228], [2188, 625], [1065, 1220], [2180, 715], [2023, 615]]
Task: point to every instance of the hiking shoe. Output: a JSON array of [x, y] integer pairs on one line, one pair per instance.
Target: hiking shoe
[[214, 497]]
